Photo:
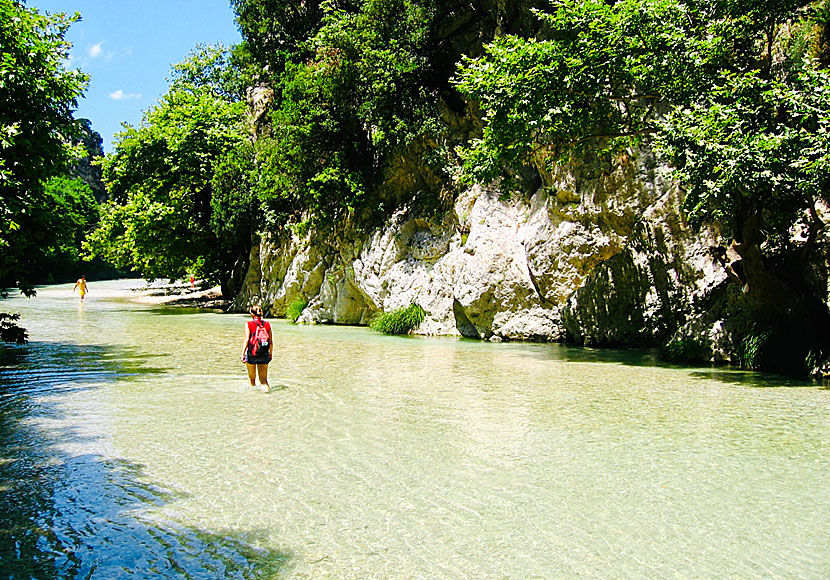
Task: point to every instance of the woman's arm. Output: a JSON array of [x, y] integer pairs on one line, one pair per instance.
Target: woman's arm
[[270, 341]]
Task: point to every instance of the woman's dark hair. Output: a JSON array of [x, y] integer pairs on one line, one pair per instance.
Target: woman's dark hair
[[256, 310]]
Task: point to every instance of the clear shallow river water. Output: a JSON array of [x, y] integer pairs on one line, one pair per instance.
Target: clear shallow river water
[[131, 446]]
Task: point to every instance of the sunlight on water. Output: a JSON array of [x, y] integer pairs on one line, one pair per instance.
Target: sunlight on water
[[131, 443]]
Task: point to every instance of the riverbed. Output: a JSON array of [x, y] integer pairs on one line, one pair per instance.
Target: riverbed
[[132, 446]]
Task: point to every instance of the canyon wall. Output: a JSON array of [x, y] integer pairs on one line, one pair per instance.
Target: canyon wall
[[597, 257]]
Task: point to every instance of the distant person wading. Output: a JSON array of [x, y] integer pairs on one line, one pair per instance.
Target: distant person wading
[[258, 348], [80, 286]]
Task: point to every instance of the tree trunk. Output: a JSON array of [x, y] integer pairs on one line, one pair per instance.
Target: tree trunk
[[233, 283]]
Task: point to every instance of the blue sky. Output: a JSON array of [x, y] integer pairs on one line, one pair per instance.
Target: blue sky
[[128, 46]]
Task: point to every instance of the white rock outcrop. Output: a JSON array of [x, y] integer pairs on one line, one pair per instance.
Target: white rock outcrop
[[603, 260]]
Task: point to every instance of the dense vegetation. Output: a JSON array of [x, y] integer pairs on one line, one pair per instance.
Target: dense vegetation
[[44, 212], [158, 219], [352, 89]]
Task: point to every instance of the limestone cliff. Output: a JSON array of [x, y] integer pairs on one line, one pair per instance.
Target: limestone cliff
[[597, 257], [595, 252]]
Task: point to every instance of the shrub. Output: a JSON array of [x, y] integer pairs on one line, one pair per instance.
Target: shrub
[[400, 321], [686, 351], [296, 309], [754, 349]]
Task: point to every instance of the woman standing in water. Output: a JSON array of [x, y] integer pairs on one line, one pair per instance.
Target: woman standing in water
[[80, 286], [258, 348]]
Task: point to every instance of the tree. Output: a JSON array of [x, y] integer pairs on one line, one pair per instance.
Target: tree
[[62, 218], [275, 31], [235, 211], [159, 178], [349, 100], [754, 156], [596, 83], [37, 99], [86, 167]]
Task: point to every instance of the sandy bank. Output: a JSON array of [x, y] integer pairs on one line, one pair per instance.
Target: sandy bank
[[180, 295]]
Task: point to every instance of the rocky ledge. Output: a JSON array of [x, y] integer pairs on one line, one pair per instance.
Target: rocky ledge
[[599, 259]]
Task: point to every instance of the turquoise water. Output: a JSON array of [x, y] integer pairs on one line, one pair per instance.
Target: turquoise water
[[132, 446]]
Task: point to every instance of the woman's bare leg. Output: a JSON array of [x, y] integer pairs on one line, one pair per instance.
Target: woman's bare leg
[[262, 370], [251, 373]]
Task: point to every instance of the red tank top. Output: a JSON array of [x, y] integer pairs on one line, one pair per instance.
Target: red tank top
[[255, 351]]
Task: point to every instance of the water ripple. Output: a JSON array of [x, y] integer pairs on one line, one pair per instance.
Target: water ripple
[[71, 514]]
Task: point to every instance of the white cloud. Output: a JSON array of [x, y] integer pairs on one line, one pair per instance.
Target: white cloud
[[120, 95], [95, 49]]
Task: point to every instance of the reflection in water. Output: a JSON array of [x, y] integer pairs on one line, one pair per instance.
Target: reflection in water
[[132, 445]]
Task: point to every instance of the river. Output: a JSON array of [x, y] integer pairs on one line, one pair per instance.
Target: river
[[131, 446]]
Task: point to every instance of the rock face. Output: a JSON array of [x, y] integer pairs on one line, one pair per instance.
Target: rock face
[[596, 257]]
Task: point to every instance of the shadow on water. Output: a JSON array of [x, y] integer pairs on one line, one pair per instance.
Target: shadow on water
[[753, 379], [80, 515], [181, 309], [644, 357]]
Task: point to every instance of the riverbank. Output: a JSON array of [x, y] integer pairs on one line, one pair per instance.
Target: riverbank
[[180, 294]]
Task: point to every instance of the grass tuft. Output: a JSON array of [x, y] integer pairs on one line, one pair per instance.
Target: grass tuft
[[400, 321], [295, 309]]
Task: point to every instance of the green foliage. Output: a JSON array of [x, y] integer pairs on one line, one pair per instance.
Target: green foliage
[[56, 221], [754, 348], [161, 179], [379, 53], [37, 98], [596, 82], [726, 90], [275, 30], [753, 146], [87, 167], [686, 351], [400, 321], [67, 213], [295, 309], [10, 331], [189, 189], [349, 97], [234, 208], [605, 71], [212, 68], [746, 133]]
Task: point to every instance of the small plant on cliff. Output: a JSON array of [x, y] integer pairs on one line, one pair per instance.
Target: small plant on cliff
[[296, 309], [754, 348], [400, 321], [686, 351]]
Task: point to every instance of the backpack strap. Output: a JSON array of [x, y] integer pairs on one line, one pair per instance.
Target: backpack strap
[[252, 342]]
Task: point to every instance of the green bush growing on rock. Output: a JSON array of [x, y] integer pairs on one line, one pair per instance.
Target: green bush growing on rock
[[686, 351], [295, 309], [400, 321], [754, 348]]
